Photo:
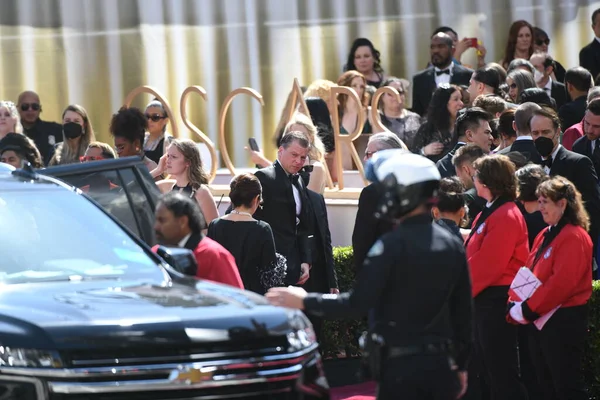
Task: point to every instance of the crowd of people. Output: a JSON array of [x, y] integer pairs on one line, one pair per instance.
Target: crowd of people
[[515, 150]]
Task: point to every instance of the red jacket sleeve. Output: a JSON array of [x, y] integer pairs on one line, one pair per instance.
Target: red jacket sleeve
[[571, 269], [216, 264], [490, 261]]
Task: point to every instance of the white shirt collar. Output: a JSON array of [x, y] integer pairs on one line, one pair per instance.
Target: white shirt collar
[[549, 85], [554, 153], [524, 137], [183, 241], [597, 38]]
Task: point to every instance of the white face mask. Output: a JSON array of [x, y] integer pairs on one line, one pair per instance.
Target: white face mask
[[538, 76]]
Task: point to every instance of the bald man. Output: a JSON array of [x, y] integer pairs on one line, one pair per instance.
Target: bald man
[[46, 135]]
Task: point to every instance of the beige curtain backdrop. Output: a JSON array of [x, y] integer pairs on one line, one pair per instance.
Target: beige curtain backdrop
[[93, 52]]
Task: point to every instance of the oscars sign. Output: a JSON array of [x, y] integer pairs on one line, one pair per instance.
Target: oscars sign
[[343, 142]]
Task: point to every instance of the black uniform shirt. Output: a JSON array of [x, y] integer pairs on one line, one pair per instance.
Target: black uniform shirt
[[417, 281]]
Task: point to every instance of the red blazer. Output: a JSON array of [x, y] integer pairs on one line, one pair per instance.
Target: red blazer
[[571, 135], [215, 263], [498, 248], [564, 270]]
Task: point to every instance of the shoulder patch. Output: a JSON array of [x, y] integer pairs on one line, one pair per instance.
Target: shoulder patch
[[376, 249]]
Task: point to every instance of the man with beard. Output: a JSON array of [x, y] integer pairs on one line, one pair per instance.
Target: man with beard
[[588, 144], [179, 223], [442, 71]]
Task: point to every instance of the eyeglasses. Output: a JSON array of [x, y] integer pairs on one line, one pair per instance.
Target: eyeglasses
[[34, 106], [155, 117], [542, 41], [91, 158]]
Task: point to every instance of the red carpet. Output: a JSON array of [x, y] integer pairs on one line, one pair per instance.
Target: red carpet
[[362, 391]]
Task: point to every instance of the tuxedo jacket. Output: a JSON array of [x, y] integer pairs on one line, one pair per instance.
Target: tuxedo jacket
[[559, 94], [367, 228], [583, 146], [525, 147], [424, 85], [589, 58], [445, 166], [579, 169], [279, 211], [322, 274], [573, 112]]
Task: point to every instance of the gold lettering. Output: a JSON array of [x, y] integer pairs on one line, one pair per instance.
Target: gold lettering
[[345, 140], [205, 139], [150, 90], [223, 116], [375, 116]]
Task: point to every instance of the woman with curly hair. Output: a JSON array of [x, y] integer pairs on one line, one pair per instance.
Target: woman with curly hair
[[9, 118], [435, 137], [78, 134], [128, 127], [365, 58], [184, 165], [17, 149]]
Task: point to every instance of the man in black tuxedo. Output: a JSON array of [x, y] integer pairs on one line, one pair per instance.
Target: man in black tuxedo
[[286, 206], [578, 82], [524, 142], [589, 56], [367, 228], [589, 145], [442, 71], [545, 130], [545, 66], [472, 126], [463, 163]]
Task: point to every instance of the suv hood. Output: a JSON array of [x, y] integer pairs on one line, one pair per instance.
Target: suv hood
[[73, 315]]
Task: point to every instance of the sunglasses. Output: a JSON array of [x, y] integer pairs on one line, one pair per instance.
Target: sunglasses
[[543, 41], [513, 86], [34, 106], [155, 117], [308, 168], [91, 158]]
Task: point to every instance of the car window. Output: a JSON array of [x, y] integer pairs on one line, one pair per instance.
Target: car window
[[142, 206], [51, 235], [107, 188]]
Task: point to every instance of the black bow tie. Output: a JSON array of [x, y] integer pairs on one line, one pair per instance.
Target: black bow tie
[[547, 162], [442, 72]]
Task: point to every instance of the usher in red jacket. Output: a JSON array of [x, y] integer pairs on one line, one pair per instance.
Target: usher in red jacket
[[565, 270], [498, 248]]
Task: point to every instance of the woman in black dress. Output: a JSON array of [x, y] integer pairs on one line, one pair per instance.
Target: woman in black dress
[[250, 241]]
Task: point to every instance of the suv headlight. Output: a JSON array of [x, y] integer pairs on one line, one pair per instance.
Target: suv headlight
[[302, 334], [28, 358]]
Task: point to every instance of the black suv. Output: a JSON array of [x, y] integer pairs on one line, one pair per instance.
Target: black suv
[[89, 312]]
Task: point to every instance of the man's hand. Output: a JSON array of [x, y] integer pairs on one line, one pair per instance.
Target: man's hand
[[304, 273], [463, 379], [334, 291]]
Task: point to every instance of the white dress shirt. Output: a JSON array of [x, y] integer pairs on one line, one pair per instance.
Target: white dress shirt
[[443, 78]]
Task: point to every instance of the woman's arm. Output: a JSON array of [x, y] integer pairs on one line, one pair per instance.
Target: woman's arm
[[207, 204], [317, 178]]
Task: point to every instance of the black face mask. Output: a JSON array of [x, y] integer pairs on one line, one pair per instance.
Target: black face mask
[[72, 130], [544, 146]]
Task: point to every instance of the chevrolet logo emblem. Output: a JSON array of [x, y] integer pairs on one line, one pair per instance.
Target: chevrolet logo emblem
[[191, 376]]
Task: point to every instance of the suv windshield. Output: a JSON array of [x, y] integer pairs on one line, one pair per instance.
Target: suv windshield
[[56, 235]]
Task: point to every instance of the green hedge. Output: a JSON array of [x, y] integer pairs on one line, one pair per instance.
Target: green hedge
[[340, 337]]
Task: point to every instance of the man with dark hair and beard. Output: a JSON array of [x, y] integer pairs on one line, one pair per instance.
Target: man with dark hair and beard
[[441, 71]]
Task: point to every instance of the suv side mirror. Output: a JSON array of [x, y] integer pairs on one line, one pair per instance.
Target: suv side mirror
[[182, 260]]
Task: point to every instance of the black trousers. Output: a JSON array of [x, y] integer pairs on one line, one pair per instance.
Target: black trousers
[[496, 342], [557, 352], [427, 376]]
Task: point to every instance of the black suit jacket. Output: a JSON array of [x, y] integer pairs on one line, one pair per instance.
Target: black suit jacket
[[445, 166], [572, 113], [559, 94], [322, 274], [583, 146], [589, 58], [424, 85], [579, 169], [367, 228], [525, 147], [279, 211]]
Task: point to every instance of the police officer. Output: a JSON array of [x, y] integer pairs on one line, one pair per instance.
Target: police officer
[[417, 280]]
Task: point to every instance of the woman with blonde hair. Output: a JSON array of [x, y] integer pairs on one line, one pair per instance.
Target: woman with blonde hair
[[10, 122], [313, 173], [184, 165], [78, 134]]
